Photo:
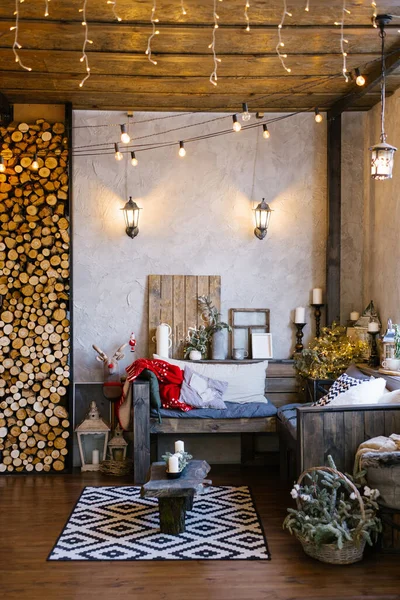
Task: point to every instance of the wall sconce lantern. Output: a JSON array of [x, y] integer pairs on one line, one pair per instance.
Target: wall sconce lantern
[[262, 214], [131, 214], [382, 157]]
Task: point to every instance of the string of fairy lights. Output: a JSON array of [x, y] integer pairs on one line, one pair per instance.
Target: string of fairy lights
[[343, 40], [154, 21]]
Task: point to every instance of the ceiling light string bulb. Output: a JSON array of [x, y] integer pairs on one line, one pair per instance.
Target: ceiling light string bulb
[[213, 76], [86, 41], [155, 31], [113, 3], [307, 8], [118, 154], [246, 116], [280, 43], [183, 9], [236, 125], [182, 151], [2, 165], [318, 117], [35, 162], [360, 79], [266, 134], [134, 160], [125, 137], [343, 40], [46, 8], [16, 45], [246, 15]]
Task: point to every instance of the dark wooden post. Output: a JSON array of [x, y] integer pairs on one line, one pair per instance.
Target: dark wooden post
[[333, 251], [141, 430]]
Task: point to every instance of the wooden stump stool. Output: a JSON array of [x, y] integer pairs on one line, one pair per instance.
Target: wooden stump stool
[[175, 496]]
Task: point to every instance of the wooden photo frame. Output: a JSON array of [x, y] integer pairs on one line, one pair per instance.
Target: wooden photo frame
[[261, 345]]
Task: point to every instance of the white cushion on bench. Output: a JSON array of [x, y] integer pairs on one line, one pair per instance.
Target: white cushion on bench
[[246, 382]]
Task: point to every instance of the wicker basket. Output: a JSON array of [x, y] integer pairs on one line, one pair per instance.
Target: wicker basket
[[330, 553]]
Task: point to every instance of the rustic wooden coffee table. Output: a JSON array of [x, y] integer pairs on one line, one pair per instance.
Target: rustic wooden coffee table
[[175, 496]]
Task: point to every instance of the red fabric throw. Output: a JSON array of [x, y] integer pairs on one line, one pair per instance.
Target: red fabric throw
[[170, 379]]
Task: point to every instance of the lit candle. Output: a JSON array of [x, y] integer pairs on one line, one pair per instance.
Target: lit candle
[[179, 446], [173, 464], [300, 315], [354, 316], [317, 296], [95, 457], [373, 326]]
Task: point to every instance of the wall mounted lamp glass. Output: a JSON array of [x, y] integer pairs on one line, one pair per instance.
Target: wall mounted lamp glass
[[262, 214], [131, 214]]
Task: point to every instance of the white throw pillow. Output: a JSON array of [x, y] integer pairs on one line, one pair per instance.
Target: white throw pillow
[[246, 382], [368, 392], [390, 397]]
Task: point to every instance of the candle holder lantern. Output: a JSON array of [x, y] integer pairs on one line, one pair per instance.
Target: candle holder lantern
[[373, 360], [117, 446], [95, 430], [317, 315], [299, 336]]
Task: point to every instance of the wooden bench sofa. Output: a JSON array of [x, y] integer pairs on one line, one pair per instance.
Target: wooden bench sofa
[[281, 388], [334, 430]]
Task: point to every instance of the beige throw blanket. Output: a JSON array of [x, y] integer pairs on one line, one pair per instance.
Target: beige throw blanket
[[378, 444]]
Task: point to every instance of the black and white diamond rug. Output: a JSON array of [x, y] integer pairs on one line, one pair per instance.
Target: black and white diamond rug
[[115, 523]]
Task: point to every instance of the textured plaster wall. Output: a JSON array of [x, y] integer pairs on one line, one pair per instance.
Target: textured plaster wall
[[196, 219], [382, 221], [354, 176]]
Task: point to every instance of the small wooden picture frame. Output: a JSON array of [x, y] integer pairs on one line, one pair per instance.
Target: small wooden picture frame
[[261, 345]]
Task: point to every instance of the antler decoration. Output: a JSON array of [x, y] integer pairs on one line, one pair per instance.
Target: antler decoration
[[118, 355], [102, 356]]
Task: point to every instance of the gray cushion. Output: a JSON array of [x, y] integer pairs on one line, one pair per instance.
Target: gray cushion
[[234, 410], [353, 371], [287, 415]]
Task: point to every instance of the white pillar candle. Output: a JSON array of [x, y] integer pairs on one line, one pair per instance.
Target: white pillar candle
[[373, 326], [173, 464], [354, 316], [179, 446], [300, 315], [95, 457], [317, 296]]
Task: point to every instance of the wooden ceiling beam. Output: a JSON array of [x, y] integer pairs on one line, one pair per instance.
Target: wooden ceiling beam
[[373, 78]]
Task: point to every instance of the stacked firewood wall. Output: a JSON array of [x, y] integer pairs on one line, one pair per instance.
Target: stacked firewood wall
[[34, 297]]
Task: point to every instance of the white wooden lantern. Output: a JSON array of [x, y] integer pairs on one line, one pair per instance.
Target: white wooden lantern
[[388, 343], [94, 452], [117, 446]]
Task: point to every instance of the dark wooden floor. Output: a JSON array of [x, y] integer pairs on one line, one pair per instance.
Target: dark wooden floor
[[33, 511]]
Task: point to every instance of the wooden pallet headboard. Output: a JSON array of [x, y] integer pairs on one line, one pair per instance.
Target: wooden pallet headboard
[[173, 300]]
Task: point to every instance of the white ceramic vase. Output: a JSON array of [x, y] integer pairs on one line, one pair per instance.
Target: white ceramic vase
[[195, 355]]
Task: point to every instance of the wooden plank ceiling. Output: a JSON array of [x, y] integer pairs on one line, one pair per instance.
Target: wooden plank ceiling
[[122, 77]]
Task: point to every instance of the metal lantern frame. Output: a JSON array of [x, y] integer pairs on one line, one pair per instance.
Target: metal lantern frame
[[388, 343], [117, 442], [382, 158], [131, 214], [92, 424], [262, 213]]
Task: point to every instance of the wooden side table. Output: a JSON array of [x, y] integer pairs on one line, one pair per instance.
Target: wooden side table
[[175, 496]]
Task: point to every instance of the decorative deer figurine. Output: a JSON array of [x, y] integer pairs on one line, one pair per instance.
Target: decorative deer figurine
[[111, 366]]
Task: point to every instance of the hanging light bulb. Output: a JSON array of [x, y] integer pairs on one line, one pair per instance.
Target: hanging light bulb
[[360, 79], [134, 160], [182, 151], [35, 163], [2, 165], [125, 137], [118, 155], [236, 125], [382, 158], [318, 117], [246, 116], [266, 133]]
